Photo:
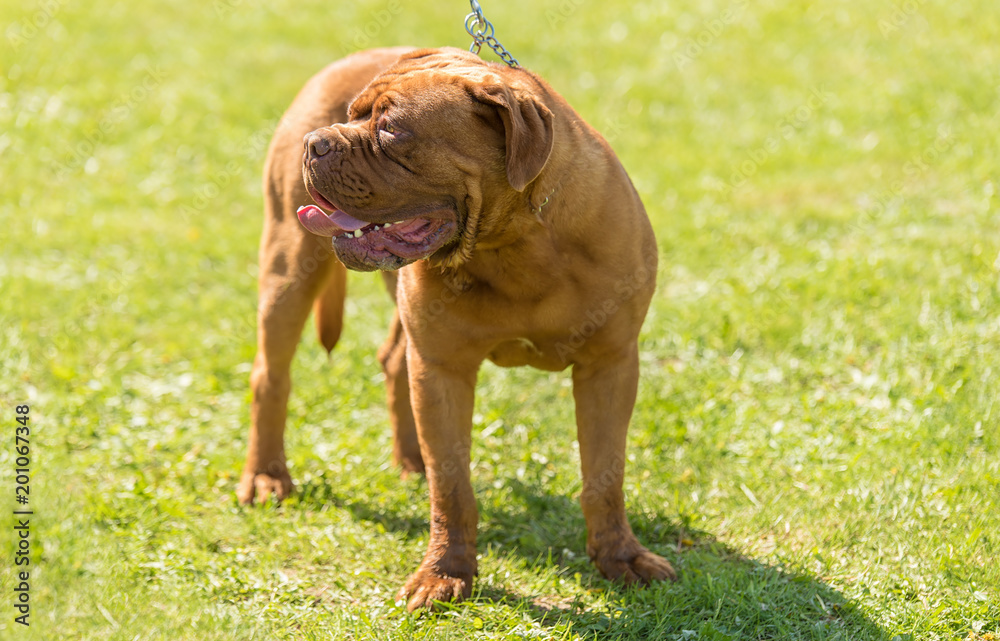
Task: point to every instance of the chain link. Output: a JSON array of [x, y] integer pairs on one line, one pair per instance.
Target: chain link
[[481, 31]]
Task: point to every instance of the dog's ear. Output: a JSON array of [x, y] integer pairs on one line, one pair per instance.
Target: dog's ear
[[528, 128]]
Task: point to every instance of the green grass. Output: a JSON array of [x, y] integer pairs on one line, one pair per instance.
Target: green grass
[[815, 444]]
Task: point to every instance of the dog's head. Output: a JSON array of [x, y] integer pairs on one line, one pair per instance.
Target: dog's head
[[432, 146]]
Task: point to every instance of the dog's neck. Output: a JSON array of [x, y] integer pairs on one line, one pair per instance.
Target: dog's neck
[[515, 257], [513, 252]]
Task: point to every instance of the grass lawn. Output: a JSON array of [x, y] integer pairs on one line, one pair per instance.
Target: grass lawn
[[815, 445]]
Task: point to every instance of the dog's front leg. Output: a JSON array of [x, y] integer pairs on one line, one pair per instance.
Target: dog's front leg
[[443, 400], [605, 395]]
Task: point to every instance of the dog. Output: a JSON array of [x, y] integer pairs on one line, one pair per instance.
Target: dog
[[506, 229]]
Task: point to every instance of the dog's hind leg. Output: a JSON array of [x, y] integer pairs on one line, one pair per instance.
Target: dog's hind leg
[[297, 270], [392, 355]]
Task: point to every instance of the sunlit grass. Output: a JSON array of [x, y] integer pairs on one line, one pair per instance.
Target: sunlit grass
[[815, 445]]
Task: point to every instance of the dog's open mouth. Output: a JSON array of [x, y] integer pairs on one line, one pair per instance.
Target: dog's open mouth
[[366, 246]]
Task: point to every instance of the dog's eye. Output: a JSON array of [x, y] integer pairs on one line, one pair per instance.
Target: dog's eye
[[385, 126]]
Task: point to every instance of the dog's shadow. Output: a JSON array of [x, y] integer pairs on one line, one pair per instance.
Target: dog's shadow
[[721, 594]]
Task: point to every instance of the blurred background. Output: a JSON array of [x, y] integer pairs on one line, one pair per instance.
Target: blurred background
[[815, 442]]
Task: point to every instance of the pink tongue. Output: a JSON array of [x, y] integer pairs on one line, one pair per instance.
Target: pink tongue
[[315, 220]]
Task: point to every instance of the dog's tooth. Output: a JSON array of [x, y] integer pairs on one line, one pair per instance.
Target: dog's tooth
[[375, 228], [357, 233]]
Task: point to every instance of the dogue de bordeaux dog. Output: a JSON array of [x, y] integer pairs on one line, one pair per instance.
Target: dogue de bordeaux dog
[[506, 229]]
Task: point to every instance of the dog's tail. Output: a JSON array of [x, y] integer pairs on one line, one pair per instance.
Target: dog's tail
[[328, 310]]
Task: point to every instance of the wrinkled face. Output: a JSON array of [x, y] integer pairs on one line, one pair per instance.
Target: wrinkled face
[[393, 180], [424, 140]]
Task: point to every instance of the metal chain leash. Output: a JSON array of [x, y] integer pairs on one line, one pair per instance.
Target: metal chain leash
[[481, 31]]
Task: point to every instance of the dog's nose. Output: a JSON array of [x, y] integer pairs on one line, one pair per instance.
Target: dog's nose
[[315, 144]]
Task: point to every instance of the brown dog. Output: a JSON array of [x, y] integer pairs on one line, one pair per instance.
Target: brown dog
[[517, 237]]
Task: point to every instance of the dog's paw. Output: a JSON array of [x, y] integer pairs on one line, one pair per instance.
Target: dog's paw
[[259, 487], [631, 563], [425, 586]]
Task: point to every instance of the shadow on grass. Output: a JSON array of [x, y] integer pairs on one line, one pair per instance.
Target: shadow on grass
[[318, 492], [721, 595]]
